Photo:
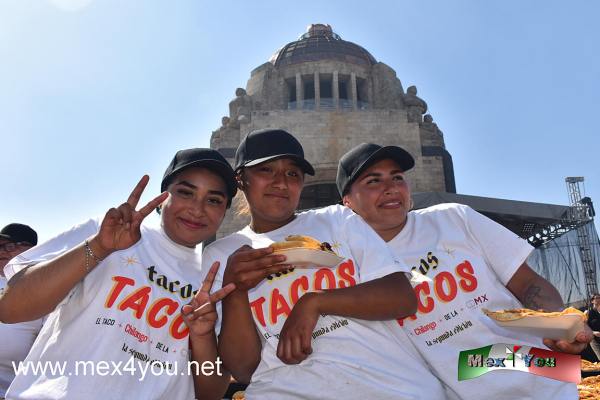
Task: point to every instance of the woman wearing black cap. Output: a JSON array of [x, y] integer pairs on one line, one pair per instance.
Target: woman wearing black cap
[[462, 262], [333, 338], [120, 294]]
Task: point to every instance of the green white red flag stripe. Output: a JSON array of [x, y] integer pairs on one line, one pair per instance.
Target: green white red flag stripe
[[561, 366]]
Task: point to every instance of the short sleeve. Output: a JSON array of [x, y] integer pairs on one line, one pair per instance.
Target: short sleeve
[[502, 249], [53, 247], [374, 257]]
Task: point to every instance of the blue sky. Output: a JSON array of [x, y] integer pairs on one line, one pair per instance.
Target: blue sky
[[93, 94]]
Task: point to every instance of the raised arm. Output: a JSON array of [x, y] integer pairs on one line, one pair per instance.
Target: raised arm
[[36, 290], [239, 343], [385, 298], [537, 293]]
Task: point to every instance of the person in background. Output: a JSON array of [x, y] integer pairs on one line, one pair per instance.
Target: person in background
[[125, 293], [457, 255], [16, 338], [593, 314]]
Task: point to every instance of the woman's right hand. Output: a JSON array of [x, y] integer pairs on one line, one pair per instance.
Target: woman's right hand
[[120, 228], [247, 267], [200, 314]]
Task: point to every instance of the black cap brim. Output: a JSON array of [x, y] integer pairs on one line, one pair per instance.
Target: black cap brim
[[302, 163], [222, 169], [19, 233], [12, 239], [399, 155]]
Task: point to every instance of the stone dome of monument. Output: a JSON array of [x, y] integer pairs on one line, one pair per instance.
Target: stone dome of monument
[[321, 43], [332, 95]]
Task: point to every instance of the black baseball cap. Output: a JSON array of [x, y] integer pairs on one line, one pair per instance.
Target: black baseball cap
[[19, 233], [354, 162], [270, 144], [206, 158]]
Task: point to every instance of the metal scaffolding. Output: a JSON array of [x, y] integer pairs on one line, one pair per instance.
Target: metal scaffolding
[[581, 212]]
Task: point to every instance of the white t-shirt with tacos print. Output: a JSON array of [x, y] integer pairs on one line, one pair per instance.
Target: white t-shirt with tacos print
[[119, 333], [465, 260], [351, 358]]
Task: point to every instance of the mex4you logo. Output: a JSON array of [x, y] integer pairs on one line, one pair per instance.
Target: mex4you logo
[[476, 362]]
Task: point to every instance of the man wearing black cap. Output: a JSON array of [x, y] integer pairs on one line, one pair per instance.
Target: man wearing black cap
[[15, 239], [16, 338], [119, 291], [464, 262]]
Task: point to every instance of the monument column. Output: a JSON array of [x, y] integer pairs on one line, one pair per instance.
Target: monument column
[[353, 90], [336, 91], [317, 91], [299, 97]]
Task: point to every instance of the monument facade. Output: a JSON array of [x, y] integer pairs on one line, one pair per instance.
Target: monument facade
[[332, 95]]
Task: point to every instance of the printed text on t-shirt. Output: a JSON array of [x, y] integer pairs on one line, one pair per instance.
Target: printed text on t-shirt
[[445, 287], [157, 314], [278, 305]]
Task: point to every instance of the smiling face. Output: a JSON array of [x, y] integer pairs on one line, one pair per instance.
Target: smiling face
[[381, 195], [195, 207], [273, 191]]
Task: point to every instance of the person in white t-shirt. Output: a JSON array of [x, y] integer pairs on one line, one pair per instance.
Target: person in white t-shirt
[[291, 335], [462, 261], [16, 338], [126, 314]]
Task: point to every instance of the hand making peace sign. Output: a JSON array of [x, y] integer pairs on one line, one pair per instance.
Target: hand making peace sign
[[200, 314], [120, 227]]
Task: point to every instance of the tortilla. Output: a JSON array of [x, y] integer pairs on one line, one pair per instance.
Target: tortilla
[[518, 313], [301, 242]]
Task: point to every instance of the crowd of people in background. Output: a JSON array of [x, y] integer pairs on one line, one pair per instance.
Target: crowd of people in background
[[116, 289]]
